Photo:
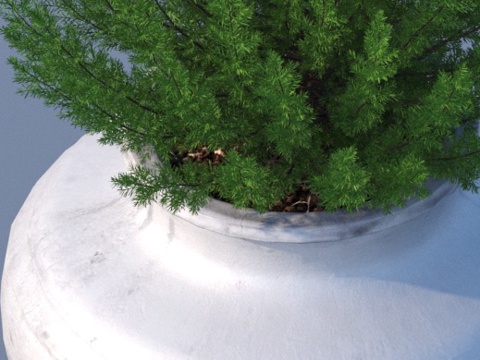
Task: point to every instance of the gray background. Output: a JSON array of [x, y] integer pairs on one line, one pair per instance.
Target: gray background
[[31, 139]]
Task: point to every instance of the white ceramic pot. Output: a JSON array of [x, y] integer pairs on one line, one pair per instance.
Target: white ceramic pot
[[88, 276]]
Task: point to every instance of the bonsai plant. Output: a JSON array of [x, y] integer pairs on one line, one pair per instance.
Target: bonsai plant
[[273, 105]]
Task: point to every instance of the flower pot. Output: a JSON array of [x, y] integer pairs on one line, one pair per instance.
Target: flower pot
[[89, 276]]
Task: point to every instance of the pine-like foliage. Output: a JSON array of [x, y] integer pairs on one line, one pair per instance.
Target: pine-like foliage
[[360, 101]]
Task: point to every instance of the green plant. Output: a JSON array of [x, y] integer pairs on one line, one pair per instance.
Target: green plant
[[359, 102]]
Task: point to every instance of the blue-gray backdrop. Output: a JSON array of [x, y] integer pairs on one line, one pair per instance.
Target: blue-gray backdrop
[[31, 139]]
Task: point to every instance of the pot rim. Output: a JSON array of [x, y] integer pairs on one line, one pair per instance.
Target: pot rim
[[298, 228], [274, 227]]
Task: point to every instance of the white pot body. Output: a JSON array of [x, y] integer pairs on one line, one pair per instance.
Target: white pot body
[[88, 276]]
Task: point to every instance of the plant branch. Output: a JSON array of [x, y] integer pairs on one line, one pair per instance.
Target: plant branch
[[176, 27], [441, 44], [452, 158], [109, 5], [201, 8], [419, 30]]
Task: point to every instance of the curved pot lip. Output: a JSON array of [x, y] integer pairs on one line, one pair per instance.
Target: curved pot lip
[[298, 228], [275, 227]]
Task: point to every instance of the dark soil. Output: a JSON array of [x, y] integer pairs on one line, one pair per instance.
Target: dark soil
[[300, 200]]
